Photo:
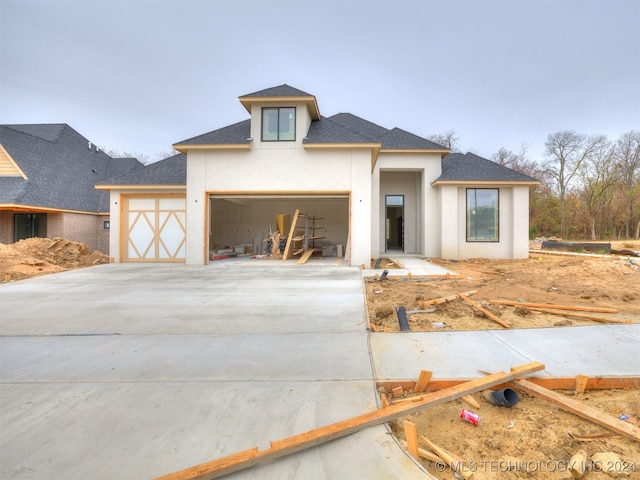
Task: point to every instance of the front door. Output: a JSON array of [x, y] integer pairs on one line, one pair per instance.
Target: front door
[[394, 220]]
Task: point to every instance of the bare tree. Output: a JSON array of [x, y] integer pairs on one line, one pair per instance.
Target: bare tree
[[518, 161], [447, 139], [599, 178], [627, 154], [566, 152]]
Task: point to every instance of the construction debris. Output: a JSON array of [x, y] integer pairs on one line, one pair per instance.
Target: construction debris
[[318, 436]]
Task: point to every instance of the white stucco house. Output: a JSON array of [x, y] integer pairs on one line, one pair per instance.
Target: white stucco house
[[366, 191]]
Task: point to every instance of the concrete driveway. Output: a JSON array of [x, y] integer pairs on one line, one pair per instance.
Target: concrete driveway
[[133, 371]]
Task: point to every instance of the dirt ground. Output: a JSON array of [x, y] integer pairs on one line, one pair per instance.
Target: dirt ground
[[572, 280], [533, 439], [41, 256]]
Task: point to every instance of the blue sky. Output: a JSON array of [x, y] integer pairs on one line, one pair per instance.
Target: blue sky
[[138, 76]]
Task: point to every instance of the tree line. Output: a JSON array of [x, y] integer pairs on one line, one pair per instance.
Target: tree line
[[589, 185]]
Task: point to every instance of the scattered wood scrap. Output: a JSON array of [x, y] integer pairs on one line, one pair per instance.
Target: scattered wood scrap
[[583, 317], [450, 298], [280, 448], [557, 307], [486, 312]]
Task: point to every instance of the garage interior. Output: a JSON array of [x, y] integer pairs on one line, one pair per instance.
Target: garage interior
[[242, 223]]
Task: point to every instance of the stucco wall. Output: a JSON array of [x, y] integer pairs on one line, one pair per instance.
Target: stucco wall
[[411, 175], [513, 218], [287, 170]]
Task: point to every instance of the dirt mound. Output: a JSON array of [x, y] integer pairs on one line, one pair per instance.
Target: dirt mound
[[40, 256]]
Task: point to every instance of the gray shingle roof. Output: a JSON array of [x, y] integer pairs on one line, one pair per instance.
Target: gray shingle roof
[[170, 171], [458, 167], [60, 167], [326, 130], [238, 133], [398, 139], [360, 125], [349, 128], [283, 90]]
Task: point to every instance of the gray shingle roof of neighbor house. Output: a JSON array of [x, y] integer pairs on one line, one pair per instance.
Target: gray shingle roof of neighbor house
[[468, 167], [169, 171], [61, 167]]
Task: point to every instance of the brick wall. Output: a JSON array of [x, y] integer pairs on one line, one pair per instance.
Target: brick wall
[[77, 227], [6, 227]]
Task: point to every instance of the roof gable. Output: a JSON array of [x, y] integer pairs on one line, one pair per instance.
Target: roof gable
[[283, 90], [281, 94]]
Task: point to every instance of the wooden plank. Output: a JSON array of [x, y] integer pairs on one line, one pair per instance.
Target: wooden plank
[[423, 380], [486, 312], [287, 249], [411, 434], [557, 307], [578, 408], [581, 383], [455, 463], [450, 298], [471, 401], [556, 383], [432, 457], [234, 463], [306, 256], [581, 316]]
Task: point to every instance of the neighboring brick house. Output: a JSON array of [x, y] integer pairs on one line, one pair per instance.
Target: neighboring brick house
[[47, 178], [378, 191]]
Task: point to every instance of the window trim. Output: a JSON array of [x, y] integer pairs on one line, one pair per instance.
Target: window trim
[[277, 109], [469, 237]]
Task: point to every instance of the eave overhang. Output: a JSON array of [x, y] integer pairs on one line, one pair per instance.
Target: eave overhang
[[29, 208], [309, 101], [134, 186], [485, 183], [185, 147], [442, 153]]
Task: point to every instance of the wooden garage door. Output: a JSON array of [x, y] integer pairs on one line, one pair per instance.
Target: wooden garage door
[[155, 229]]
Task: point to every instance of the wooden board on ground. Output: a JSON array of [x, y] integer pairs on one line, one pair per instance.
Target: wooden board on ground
[[578, 408], [306, 256], [280, 448]]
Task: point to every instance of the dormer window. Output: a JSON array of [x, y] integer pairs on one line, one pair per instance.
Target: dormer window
[[278, 124]]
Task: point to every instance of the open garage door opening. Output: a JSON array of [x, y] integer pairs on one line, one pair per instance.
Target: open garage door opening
[[243, 225]]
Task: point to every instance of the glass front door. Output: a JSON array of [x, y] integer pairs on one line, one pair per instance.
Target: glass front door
[[394, 220]]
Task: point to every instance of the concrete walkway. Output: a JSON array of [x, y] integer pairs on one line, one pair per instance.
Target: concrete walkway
[[134, 371]]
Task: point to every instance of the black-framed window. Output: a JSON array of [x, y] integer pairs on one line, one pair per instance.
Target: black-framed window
[[278, 124], [29, 225], [483, 215]]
